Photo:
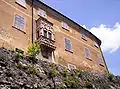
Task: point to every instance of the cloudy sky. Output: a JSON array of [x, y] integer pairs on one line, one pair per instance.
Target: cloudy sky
[[102, 18]]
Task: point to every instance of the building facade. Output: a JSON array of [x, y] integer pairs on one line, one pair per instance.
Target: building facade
[[62, 40]]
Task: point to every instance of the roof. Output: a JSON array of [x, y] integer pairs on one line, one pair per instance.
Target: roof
[[99, 41]]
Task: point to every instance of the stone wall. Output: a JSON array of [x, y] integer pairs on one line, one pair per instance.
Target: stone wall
[[23, 72]]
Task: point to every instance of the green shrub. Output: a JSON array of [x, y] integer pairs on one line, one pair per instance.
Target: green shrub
[[33, 49], [110, 76], [65, 73], [54, 73], [19, 53], [33, 70], [88, 84], [19, 50], [72, 82]]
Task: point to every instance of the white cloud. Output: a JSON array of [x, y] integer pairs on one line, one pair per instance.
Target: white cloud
[[110, 37]]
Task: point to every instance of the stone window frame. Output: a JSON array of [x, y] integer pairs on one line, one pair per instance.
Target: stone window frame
[[83, 36], [96, 45], [100, 60], [87, 53], [64, 25], [42, 13], [21, 3], [20, 29], [69, 50]]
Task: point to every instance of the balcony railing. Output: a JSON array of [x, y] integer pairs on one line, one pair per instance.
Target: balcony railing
[[47, 42]]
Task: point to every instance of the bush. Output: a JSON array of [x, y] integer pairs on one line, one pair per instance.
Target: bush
[[72, 82], [32, 70], [88, 84], [110, 76], [19, 53], [33, 49]]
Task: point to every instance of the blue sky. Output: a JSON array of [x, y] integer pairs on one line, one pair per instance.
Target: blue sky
[[102, 18]]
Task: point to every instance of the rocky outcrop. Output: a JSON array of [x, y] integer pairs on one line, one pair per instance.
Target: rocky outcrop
[[22, 72]]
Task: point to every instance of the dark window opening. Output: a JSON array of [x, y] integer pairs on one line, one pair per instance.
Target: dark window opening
[[49, 35], [45, 33]]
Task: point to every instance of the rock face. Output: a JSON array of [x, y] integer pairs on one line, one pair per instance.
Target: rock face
[[22, 72]]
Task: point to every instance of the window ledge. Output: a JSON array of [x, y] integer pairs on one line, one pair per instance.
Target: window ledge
[[19, 29], [66, 29], [101, 65], [21, 5], [69, 50], [84, 39], [89, 58]]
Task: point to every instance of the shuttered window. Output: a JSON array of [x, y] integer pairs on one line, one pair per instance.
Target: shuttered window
[[65, 25], [21, 2], [96, 45], [68, 45], [19, 22], [100, 60], [87, 53], [83, 36], [42, 13]]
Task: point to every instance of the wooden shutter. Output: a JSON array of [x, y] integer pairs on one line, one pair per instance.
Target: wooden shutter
[[87, 52], [42, 13], [67, 44]]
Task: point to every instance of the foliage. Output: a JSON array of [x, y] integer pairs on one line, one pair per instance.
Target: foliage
[[88, 84], [62, 86], [33, 70], [33, 49], [21, 66], [110, 76], [65, 73], [53, 73], [72, 82], [19, 53], [78, 72]]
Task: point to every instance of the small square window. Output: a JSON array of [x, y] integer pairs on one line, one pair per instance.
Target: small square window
[[65, 25], [42, 13], [96, 45], [83, 36], [21, 2], [71, 66], [87, 53], [68, 45], [19, 22]]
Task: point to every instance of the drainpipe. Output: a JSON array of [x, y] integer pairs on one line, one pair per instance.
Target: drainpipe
[[32, 23]]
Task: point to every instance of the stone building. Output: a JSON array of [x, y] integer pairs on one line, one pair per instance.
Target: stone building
[[62, 40]]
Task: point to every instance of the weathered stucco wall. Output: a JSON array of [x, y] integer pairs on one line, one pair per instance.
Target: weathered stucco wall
[[14, 38]]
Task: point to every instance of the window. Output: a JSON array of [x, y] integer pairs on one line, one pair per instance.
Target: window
[[42, 13], [100, 60], [87, 52], [68, 45], [45, 33], [19, 22], [83, 36], [21, 2], [65, 25], [96, 45], [49, 35], [71, 66]]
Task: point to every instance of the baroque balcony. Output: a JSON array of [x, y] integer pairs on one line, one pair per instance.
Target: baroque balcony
[[46, 42]]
